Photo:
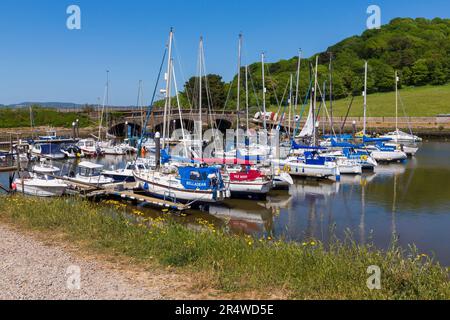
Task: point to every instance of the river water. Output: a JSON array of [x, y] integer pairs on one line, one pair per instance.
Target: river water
[[408, 201]]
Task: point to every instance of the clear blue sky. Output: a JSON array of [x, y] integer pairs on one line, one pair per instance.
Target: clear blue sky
[[41, 60]]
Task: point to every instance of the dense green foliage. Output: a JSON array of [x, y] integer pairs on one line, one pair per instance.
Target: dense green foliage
[[20, 117], [419, 49], [234, 263]]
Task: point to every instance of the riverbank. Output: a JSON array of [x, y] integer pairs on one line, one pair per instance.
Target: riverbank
[[229, 266]]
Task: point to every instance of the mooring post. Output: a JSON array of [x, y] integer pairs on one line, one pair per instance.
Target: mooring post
[[158, 150]]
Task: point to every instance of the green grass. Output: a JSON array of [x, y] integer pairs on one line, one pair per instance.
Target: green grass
[[20, 117], [427, 101], [235, 263]]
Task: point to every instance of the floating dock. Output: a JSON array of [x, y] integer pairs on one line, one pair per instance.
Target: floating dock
[[122, 190]]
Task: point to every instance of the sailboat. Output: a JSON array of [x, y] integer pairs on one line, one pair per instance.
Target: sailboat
[[397, 135], [180, 182], [243, 180], [306, 161], [380, 151]]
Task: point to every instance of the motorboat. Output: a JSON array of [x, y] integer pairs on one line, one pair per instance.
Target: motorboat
[[48, 151], [41, 182], [90, 173], [89, 147], [126, 174], [108, 148], [72, 151]]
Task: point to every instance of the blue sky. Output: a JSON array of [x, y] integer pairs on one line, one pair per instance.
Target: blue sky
[[41, 60]]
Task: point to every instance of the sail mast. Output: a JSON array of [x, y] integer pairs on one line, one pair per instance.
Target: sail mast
[[200, 123], [396, 101], [331, 93], [315, 101], [246, 97], [238, 92], [290, 106], [365, 97], [297, 84], [168, 80], [264, 90]]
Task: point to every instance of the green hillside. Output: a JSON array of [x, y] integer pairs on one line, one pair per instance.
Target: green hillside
[[426, 101], [419, 49]]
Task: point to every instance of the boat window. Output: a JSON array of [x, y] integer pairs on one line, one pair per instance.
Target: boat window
[[141, 167], [195, 175]]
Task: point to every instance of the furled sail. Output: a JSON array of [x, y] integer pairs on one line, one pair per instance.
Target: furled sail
[[308, 129]]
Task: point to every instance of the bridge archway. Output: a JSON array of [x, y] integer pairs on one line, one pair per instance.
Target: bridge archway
[[120, 130], [175, 124], [223, 124]]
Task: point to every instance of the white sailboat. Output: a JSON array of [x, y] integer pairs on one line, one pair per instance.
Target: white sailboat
[[180, 183], [381, 151], [397, 135]]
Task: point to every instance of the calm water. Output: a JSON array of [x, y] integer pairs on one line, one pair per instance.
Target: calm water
[[410, 200]]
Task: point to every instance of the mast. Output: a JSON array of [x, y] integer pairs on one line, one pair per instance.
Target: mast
[[365, 97], [168, 81], [246, 96], [315, 102], [200, 95], [238, 91], [264, 90], [290, 106], [297, 84], [396, 101], [331, 92]]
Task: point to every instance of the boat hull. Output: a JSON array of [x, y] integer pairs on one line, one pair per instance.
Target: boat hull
[[158, 188], [40, 191]]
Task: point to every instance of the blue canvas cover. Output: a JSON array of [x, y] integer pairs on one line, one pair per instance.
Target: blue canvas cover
[[194, 178], [50, 149]]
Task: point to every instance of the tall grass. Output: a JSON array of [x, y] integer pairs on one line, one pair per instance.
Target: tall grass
[[235, 263]]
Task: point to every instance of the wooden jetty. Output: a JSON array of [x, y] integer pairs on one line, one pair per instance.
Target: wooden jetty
[[122, 190]]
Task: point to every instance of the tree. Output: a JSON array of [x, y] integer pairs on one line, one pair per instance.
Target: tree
[[420, 72], [213, 91]]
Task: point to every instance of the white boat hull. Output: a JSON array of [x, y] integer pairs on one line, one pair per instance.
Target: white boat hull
[[35, 189], [171, 189], [301, 169], [388, 156]]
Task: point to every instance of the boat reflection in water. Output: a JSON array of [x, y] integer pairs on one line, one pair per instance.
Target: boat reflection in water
[[244, 216]]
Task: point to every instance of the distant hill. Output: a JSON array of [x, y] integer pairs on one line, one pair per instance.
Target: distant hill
[[54, 105]]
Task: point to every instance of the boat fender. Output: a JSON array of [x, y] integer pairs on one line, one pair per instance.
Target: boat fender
[[287, 169], [146, 186], [14, 186]]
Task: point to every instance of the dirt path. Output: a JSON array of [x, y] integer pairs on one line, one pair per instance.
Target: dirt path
[[34, 268]]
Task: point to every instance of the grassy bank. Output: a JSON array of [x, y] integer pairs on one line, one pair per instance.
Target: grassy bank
[[232, 263], [20, 117], [427, 101]]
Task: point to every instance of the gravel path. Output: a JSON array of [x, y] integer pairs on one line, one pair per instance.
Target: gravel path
[[32, 269]]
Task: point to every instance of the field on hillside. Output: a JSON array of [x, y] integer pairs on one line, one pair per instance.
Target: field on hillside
[[15, 118], [425, 101]]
